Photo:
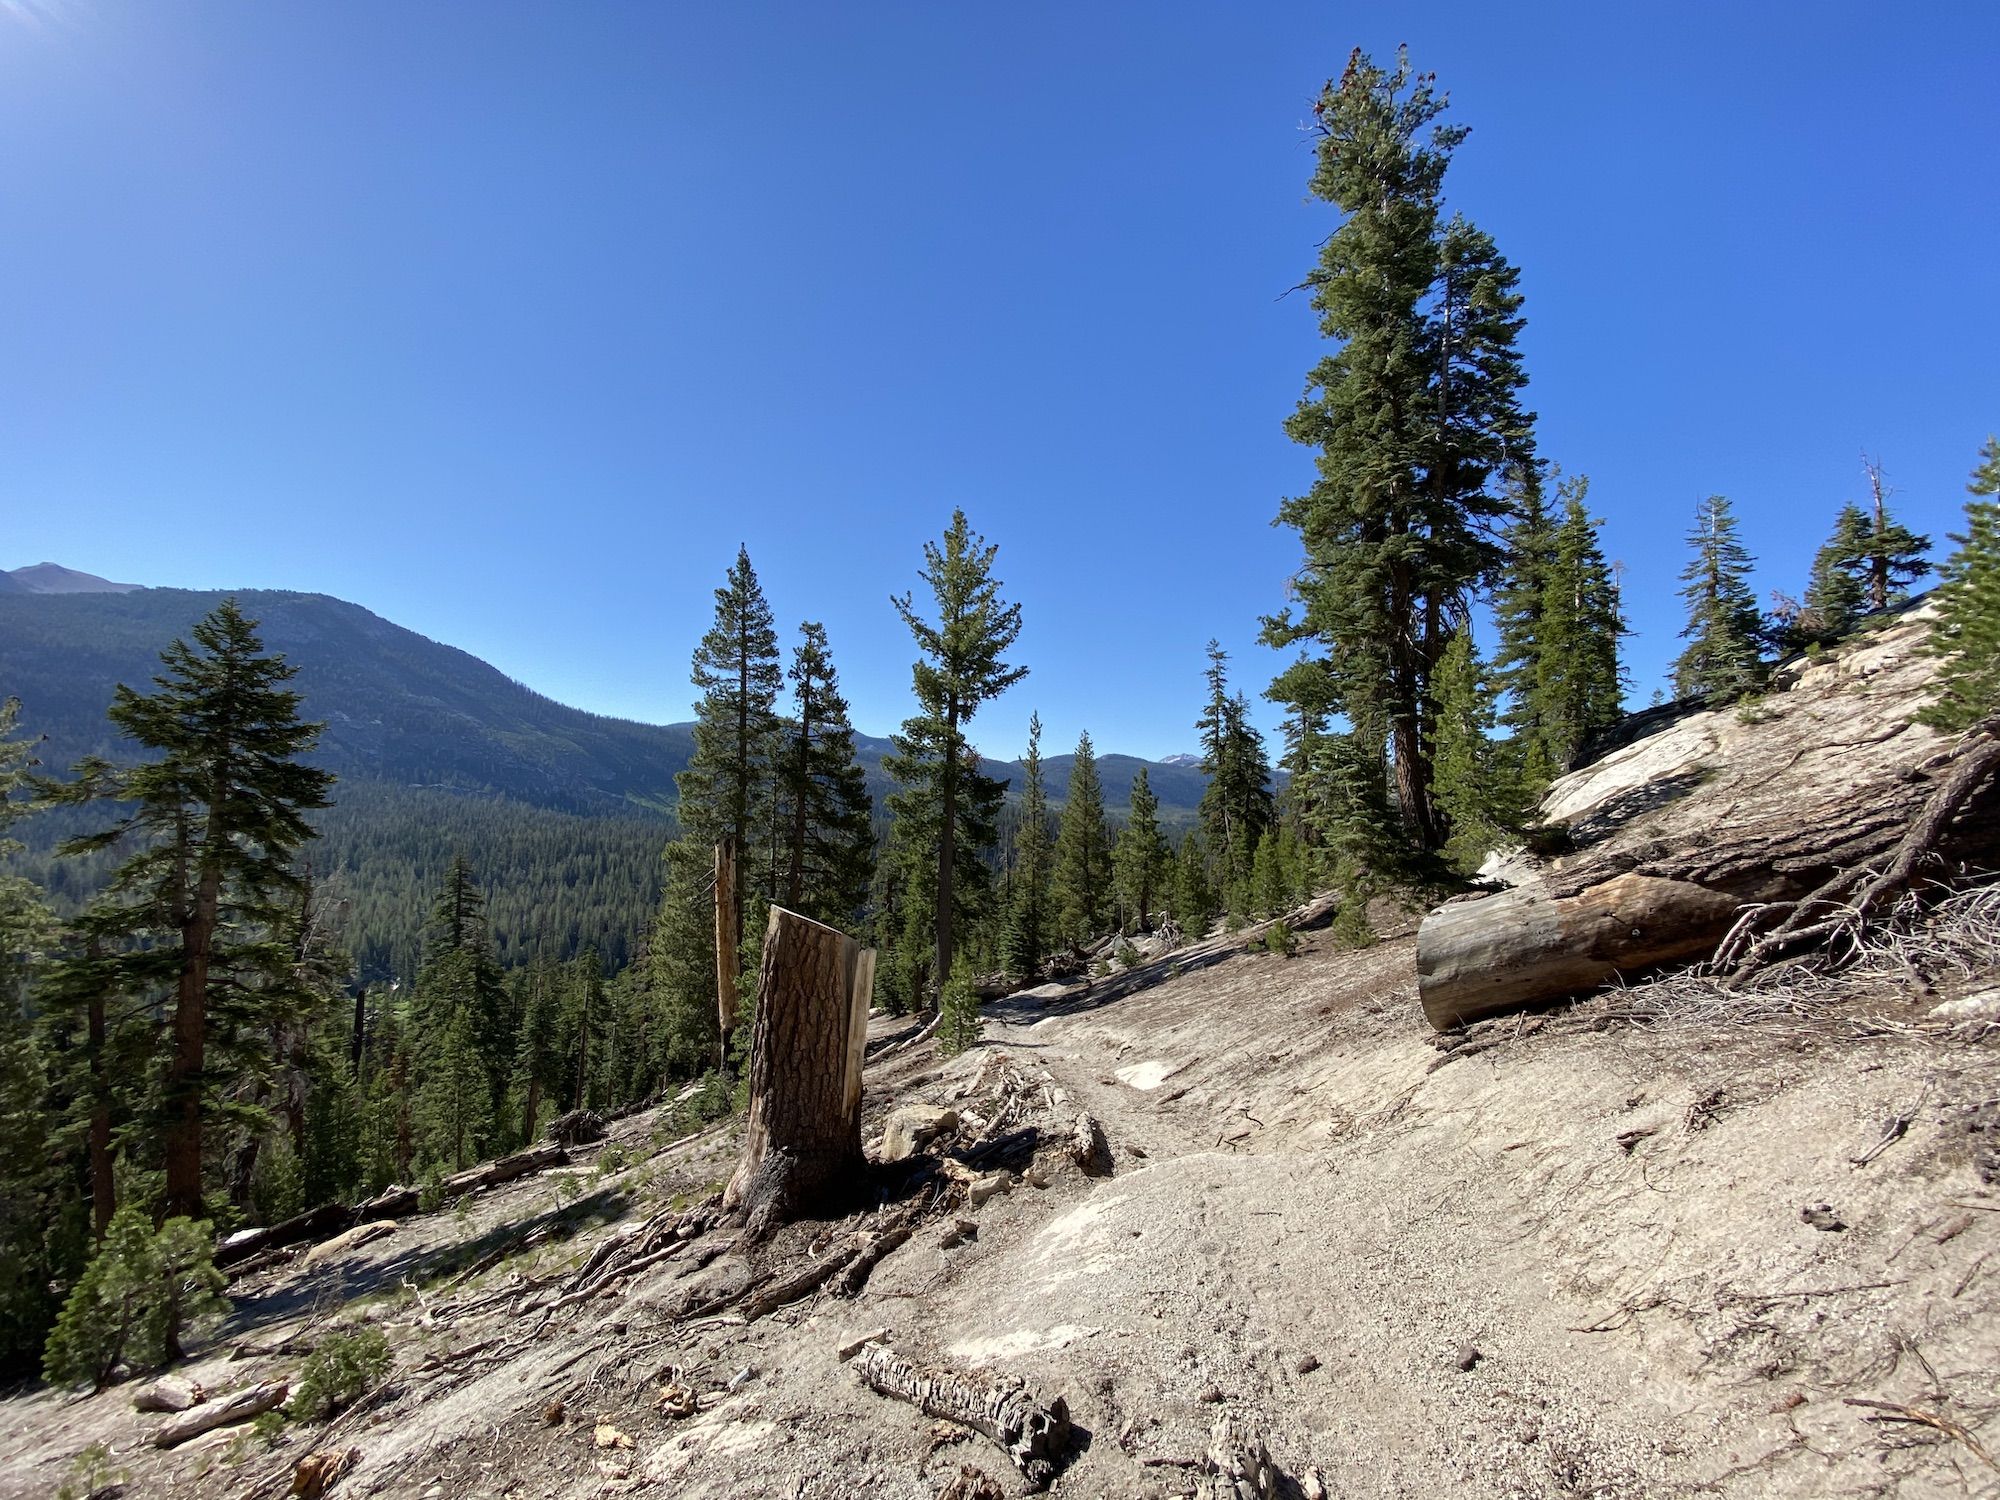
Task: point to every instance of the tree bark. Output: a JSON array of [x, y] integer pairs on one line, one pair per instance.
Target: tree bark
[[1476, 958], [802, 1143], [726, 961], [184, 1070], [227, 1412], [103, 1187], [947, 850], [1033, 1436]]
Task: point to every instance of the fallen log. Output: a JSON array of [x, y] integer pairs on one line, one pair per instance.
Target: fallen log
[[1476, 958], [319, 1223], [227, 1412], [1035, 1438]]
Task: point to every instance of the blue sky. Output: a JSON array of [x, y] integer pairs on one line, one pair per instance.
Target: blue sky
[[510, 321]]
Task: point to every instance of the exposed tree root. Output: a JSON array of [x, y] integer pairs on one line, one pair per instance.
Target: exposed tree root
[[1844, 906]]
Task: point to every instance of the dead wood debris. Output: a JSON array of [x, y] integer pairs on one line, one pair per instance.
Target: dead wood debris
[[1237, 1465], [1033, 1436]]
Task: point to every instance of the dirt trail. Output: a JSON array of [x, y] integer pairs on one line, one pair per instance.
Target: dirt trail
[[1571, 1264]]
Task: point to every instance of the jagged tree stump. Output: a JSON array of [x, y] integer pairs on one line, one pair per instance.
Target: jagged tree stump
[[802, 1145]]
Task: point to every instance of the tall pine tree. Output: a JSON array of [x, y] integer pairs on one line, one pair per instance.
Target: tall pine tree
[[1083, 851], [1142, 860], [1236, 803], [1578, 689], [945, 806], [822, 794], [1890, 556], [1724, 655], [1030, 918], [725, 792], [194, 917], [1413, 417]]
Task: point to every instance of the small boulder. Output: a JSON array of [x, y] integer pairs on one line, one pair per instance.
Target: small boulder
[[913, 1127], [168, 1395]]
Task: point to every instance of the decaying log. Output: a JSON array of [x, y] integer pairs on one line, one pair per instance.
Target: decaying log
[[227, 1412], [314, 1224], [1236, 1467], [1475, 958], [802, 1137], [1034, 1437], [398, 1202]]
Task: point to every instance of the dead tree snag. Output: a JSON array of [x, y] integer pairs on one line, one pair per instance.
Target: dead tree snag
[[802, 1144]]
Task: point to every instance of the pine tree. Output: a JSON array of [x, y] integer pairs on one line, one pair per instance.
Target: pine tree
[[1890, 556], [143, 1291], [1724, 656], [1966, 632], [537, 1062], [1236, 804], [199, 907], [944, 804], [1578, 688], [1029, 914], [822, 793], [1413, 417], [30, 1184], [1472, 795], [461, 997], [1142, 861], [1518, 599], [1835, 596], [1083, 852], [1193, 898], [725, 791]]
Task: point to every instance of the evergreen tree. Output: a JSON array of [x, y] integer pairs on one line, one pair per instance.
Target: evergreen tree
[[31, 1186], [142, 1292], [1966, 632], [725, 791], [1518, 600], [1578, 688], [1835, 596], [1723, 656], [1193, 898], [197, 911], [1890, 556], [1472, 795], [822, 794], [538, 1064], [1029, 915], [1142, 861], [1083, 852], [462, 1023], [1236, 804], [1270, 883], [680, 963], [1414, 416], [944, 804]]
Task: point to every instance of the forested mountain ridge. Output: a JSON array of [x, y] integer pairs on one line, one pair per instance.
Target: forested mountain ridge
[[562, 812], [400, 707]]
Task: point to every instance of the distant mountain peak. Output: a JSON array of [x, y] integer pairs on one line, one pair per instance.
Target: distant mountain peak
[[1180, 760], [54, 578]]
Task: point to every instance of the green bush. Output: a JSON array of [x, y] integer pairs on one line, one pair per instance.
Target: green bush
[[338, 1373], [958, 1012], [1351, 927], [1128, 956], [142, 1291], [1281, 940]]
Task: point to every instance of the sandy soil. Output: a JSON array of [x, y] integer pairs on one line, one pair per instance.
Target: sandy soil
[[1573, 1264]]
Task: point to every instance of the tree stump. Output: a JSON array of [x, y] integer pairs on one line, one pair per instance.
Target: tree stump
[[802, 1144]]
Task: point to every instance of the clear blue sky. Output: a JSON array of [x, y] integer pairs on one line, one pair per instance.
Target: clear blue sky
[[509, 321]]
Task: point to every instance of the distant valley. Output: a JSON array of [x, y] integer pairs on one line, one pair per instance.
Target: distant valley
[[438, 752]]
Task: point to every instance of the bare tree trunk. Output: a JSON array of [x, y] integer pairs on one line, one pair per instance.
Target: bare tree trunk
[[103, 1188], [802, 1145], [947, 851], [727, 962], [531, 1108], [190, 1038]]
